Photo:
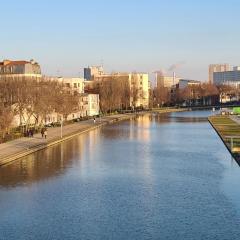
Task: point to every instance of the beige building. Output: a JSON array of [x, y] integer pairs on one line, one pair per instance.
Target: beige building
[[167, 81], [89, 105], [140, 81], [217, 68], [139, 86], [18, 69], [75, 84]]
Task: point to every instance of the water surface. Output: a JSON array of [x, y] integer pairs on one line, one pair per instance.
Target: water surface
[[154, 177]]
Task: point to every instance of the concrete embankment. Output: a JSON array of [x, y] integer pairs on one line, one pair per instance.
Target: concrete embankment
[[228, 129], [22, 147], [168, 110]]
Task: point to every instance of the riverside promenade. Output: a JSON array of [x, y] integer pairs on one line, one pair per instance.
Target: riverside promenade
[[24, 146]]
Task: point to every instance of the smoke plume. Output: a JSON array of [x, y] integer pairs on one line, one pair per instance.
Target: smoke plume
[[175, 66]]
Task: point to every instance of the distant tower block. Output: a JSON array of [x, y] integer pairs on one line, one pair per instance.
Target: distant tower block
[[91, 72]]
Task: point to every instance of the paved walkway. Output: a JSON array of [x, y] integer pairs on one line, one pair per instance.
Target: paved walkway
[[23, 146], [235, 119]]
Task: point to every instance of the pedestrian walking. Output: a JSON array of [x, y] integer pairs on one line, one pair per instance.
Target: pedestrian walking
[[94, 119], [45, 133], [42, 132], [31, 132]]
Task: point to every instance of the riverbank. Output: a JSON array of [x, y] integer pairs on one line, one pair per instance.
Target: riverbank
[[21, 147], [228, 129]]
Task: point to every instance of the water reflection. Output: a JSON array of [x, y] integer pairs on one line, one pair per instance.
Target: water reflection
[[48, 163], [56, 160], [153, 176]]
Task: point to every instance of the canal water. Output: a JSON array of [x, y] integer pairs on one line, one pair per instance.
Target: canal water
[[153, 177]]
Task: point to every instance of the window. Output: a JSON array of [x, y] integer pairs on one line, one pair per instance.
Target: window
[[75, 85]]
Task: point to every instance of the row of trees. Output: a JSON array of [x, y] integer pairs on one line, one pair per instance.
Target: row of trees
[[205, 93], [33, 98], [37, 98], [116, 93]]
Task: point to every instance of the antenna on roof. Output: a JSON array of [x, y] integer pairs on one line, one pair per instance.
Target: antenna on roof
[[101, 62]]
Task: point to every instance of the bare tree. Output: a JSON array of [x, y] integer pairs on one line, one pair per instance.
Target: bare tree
[[162, 96], [6, 117]]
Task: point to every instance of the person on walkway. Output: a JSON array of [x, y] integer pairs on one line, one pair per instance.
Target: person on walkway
[[45, 133], [31, 132], [42, 132], [94, 119]]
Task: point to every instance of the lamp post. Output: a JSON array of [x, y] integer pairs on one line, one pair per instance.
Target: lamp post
[[61, 128]]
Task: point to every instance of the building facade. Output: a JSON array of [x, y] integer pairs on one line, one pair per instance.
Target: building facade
[[227, 77], [91, 72], [183, 83], [13, 69], [138, 83], [217, 68], [74, 84], [167, 81]]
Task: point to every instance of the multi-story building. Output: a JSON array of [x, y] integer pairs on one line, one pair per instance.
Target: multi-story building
[[217, 68], [138, 86], [183, 83], [167, 81], [75, 84], [18, 69], [89, 105], [227, 77], [140, 82], [91, 72]]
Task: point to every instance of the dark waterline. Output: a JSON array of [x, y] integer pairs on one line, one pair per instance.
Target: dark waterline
[[155, 177]]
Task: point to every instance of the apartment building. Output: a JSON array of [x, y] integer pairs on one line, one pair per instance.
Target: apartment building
[[227, 77], [167, 81], [91, 72], [217, 68], [183, 83], [138, 83], [17, 69], [74, 84]]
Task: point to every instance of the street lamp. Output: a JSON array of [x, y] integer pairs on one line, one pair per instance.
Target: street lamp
[[61, 127]]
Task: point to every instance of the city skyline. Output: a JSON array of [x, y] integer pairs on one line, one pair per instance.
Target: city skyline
[[64, 37]]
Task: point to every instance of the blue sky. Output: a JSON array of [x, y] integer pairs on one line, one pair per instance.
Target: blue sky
[[127, 35]]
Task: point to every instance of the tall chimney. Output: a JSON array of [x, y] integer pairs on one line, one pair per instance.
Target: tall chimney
[[174, 77]]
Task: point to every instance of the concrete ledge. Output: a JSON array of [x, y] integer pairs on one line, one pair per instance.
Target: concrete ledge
[[234, 154]]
